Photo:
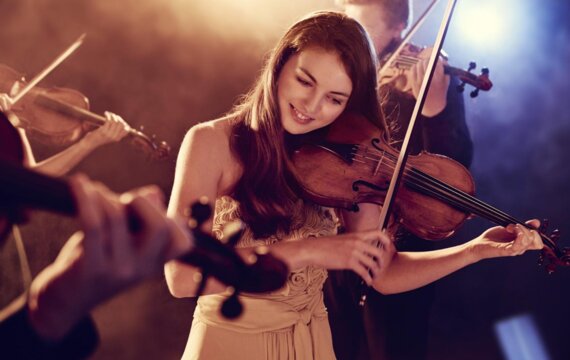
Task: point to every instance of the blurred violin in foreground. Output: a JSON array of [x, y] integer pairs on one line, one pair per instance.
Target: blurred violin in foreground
[[353, 164], [60, 116], [21, 189]]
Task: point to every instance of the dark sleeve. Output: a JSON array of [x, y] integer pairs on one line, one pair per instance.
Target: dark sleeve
[[18, 340], [447, 133]]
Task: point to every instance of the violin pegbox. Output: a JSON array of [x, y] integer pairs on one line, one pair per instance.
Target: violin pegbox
[[479, 82], [148, 144], [551, 255], [198, 213]]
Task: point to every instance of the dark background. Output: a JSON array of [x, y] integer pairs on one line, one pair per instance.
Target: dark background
[[169, 64]]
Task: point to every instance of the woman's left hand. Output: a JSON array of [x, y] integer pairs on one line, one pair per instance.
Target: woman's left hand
[[511, 240]]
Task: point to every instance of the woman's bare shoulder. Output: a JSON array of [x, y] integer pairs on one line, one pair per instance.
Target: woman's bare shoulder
[[208, 145], [212, 136]]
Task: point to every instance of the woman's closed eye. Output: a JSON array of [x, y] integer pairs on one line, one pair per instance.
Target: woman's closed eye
[[303, 81], [336, 101]]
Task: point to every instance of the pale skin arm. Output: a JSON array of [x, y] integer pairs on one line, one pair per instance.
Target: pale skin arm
[[200, 170], [411, 270], [61, 163]]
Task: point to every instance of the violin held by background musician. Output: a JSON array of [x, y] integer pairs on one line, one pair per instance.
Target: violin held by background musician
[[61, 117]]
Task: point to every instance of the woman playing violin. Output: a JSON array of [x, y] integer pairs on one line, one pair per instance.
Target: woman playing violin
[[323, 66], [61, 163]]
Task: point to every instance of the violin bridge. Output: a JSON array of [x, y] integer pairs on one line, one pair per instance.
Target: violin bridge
[[344, 151]]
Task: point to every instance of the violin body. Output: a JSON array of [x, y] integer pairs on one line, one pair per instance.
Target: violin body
[[352, 164], [343, 173], [38, 121]]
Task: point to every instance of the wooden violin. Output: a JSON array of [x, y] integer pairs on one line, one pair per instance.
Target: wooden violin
[[352, 164], [21, 188], [61, 116]]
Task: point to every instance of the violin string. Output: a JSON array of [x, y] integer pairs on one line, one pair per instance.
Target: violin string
[[466, 201], [445, 192], [455, 197], [440, 190], [469, 202]]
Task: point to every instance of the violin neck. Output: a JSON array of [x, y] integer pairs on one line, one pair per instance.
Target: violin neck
[[70, 110], [28, 189], [430, 186], [138, 138]]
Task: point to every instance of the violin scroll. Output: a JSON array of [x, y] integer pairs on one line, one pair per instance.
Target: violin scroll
[[61, 116], [263, 272], [156, 150], [479, 82], [551, 255]]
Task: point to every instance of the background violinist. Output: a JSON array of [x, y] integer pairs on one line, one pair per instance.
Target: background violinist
[[321, 68], [396, 326], [61, 163]]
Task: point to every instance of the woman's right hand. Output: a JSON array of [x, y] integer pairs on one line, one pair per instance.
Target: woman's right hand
[[354, 251]]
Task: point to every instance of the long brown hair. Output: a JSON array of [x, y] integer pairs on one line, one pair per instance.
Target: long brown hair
[[268, 190]]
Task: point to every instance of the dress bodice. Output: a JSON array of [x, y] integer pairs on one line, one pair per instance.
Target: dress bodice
[[308, 220]]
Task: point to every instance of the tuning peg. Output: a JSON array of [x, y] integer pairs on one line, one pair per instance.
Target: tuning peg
[[485, 71], [201, 210], [472, 65], [474, 93], [232, 307]]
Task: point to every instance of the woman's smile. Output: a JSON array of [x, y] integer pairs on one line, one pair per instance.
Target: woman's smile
[[299, 117]]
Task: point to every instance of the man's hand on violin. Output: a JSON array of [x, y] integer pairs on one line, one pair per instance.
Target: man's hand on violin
[[106, 257], [354, 251], [511, 240], [436, 99], [113, 130]]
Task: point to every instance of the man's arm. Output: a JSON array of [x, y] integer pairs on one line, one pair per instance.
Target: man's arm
[[447, 133]]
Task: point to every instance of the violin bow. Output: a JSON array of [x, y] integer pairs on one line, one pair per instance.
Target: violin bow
[[48, 69], [404, 41], [402, 158]]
